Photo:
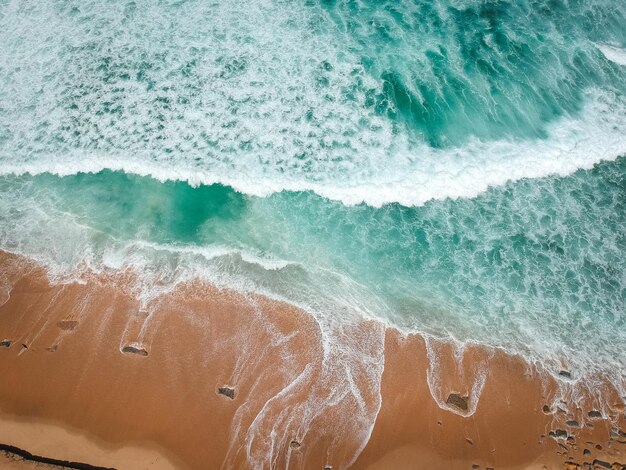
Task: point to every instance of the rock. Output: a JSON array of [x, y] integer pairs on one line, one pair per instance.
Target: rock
[[601, 463], [571, 466], [546, 409], [227, 392], [6, 343], [457, 400], [558, 433], [294, 444], [469, 441], [328, 467], [475, 466], [594, 414], [598, 446], [586, 452], [565, 373], [572, 423], [135, 349]]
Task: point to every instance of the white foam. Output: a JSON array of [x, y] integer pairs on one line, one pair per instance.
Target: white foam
[[613, 52], [410, 177]]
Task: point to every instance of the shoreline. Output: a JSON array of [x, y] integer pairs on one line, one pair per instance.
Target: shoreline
[[209, 378]]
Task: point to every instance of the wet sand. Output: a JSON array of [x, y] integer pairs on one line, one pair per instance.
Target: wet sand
[[205, 378]]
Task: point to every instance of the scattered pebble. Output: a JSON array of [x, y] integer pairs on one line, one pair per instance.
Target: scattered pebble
[[227, 392]]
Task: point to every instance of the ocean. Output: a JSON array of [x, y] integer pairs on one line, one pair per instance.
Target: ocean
[[455, 168]]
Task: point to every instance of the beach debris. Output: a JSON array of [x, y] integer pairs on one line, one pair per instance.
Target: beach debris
[[6, 343], [67, 325], [572, 423], [135, 348], [294, 444], [457, 400], [565, 373], [227, 392], [594, 414]]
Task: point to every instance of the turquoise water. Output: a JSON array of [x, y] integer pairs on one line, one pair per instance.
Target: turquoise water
[[453, 167]]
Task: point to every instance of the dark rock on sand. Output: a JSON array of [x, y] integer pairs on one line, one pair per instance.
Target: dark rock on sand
[[557, 433], [6, 343], [475, 466], [294, 444], [135, 349], [594, 414], [546, 409], [565, 373], [457, 400], [586, 452], [601, 463], [227, 392], [572, 423]]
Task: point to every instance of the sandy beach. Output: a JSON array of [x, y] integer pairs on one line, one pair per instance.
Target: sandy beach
[[205, 378]]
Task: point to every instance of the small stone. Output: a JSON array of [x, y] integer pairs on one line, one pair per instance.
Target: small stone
[[601, 463], [227, 392], [475, 466], [572, 423], [469, 441], [135, 349], [598, 446], [6, 343], [457, 400], [557, 433], [586, 452], [546, 409], [294, 444], [594, 414], [565, 373]]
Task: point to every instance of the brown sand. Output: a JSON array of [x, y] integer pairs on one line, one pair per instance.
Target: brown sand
[[67, 390]]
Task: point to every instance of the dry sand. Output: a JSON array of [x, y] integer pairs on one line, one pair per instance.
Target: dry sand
[[69, 391]]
